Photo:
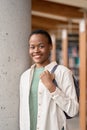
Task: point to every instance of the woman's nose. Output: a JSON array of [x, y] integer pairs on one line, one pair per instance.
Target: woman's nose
[[36, 49]]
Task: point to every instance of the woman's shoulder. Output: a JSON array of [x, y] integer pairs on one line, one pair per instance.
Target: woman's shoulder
[[62, 68], [26, 72]]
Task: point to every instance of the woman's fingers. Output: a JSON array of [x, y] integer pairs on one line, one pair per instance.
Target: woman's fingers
[[47, 74]]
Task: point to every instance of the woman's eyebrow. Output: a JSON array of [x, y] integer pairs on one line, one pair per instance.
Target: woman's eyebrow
[[41, 43]]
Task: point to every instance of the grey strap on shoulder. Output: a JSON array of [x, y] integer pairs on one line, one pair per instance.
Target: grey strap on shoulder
[[52, 71], [54, 68]]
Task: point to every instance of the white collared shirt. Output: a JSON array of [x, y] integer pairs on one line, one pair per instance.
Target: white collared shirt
[[50, 105]]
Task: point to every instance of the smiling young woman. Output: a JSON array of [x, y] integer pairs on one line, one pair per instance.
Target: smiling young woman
[[42, 104]]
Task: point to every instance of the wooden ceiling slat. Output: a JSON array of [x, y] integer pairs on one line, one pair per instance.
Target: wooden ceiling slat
[[56, 9], [43, 23], [47, 23], [47, 20]]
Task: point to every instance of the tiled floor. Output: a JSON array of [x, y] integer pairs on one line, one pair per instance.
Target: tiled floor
[[73, 123]]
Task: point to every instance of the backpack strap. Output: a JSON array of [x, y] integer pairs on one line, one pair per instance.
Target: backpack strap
[[54, 68], [76, 87], [52, 71]]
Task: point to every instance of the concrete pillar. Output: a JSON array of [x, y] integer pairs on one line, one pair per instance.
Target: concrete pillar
[[15, 24]]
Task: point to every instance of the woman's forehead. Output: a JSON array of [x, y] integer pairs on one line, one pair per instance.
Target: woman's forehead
[[38, 38]]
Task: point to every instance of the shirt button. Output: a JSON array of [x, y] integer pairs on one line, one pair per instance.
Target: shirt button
[[40, 93], [38, 116], [39, 104], [52, 95]]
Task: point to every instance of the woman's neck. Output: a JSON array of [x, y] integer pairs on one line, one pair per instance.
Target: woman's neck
[[38, 65]]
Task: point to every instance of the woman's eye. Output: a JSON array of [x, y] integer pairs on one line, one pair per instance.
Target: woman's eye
[[41, 46], [32, 47]]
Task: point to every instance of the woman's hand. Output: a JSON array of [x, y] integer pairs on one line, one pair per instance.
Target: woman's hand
[[47, 79]]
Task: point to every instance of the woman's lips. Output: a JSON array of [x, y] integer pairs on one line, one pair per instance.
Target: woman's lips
[[37, 56]]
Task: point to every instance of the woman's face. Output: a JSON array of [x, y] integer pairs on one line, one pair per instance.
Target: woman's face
[[39, 49]]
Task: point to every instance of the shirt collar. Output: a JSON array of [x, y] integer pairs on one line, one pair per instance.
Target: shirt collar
[[48, 67], [51, 65]]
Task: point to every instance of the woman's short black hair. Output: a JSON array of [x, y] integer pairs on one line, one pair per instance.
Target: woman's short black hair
[[42, 32]]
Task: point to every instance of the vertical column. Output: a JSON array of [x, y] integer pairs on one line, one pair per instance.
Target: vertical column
[[53, 53], [65, 47], [83, 74], [15, 25]]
